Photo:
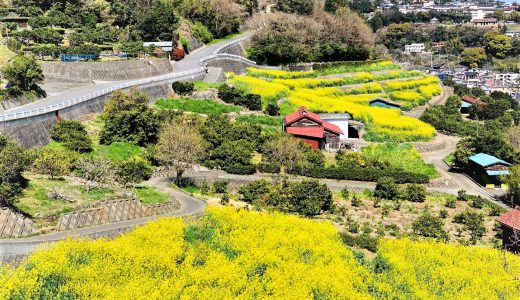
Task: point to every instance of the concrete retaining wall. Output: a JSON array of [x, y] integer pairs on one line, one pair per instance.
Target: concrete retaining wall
[[34, 131], [106, 71]]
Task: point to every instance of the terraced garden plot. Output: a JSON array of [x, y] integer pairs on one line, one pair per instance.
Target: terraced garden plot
[[351, 93]]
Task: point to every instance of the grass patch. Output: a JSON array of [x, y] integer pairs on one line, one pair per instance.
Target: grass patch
[[118, 151], [191, 189], [227, 37], [203, 86], [36, 202], [150, 196], [287, 108], [261, 119], [208, 107], [404, 156], [450, 160]]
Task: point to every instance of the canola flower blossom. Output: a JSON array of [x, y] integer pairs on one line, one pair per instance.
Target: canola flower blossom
[[433, 270], [237, 254], [229, 254]]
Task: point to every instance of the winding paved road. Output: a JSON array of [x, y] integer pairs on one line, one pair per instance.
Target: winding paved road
[[189, 206]]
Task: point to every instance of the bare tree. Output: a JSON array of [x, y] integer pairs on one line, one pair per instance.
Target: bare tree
[[285, 151], [179, 147], [94, 171]]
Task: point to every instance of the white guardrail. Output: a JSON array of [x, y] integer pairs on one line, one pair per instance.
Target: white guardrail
[[84, 98]]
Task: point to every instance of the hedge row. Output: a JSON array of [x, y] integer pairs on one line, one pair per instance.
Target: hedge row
[[362, 174]]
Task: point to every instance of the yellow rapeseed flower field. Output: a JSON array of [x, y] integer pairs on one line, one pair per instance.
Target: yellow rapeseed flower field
[[237, 254], [229, 254], [352, 93], [430, 270]]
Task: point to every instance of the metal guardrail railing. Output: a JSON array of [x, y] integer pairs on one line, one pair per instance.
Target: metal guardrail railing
[[84, 98], [87, 97], [210, 57]]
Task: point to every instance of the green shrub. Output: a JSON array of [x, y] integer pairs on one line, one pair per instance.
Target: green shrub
[[202, 33], [443, 214], [356, 202], [386, 188], [415, 193], [72, 135], [183, 88], [345, 193], [430, 226], [363, 241], [272, 109], [254, 190], [473, 222], [477, 202], [225, 199], [220, 186], [269, 167], [451, 203]]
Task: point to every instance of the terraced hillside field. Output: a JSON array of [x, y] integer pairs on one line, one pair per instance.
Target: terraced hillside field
[[349, 89]]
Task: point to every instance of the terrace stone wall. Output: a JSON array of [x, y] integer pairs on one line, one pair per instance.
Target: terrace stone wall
[[14, 225], [106, 71], [112, 212]]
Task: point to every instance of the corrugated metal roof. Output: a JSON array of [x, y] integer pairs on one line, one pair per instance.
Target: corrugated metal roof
[[335, 116], [497, 173], [486, 160], [158, 44]]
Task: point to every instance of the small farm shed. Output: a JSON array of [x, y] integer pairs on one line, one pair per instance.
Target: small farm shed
[[468, 102], [487, 169], [385, 103], [510, 224], [313, 130]]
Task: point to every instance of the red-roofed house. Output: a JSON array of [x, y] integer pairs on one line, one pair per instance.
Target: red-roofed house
[[467, 102], [310, 127], [510, 222]]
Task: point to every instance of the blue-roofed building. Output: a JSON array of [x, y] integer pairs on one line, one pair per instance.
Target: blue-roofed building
[[486, 169]]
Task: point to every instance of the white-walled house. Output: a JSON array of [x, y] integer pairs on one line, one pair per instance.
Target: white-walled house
[[414, 48]]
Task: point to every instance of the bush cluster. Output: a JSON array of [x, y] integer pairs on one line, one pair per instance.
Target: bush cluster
[[236, 96], [72, 135], [183, 88]]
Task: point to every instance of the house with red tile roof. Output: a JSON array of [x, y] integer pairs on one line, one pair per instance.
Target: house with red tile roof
[[468, 102], [510, 223], [313, 130]]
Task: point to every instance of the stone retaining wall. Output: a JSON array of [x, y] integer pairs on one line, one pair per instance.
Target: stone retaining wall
[[106, 71], [113, 212], [13, 225]]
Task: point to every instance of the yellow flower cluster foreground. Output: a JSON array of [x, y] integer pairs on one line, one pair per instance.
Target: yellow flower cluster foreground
[[235, 254], [429, 270], [228, 254]]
